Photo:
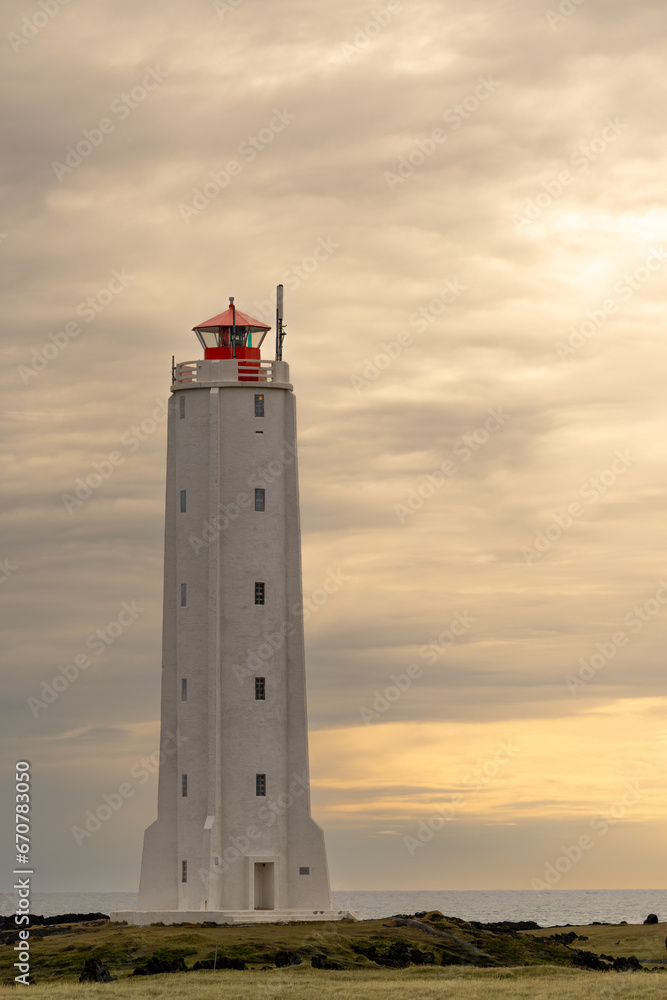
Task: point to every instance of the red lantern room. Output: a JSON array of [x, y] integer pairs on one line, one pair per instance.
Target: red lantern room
[[232, 334]]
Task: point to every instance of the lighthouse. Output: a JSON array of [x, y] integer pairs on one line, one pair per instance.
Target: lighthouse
[[234, 840]]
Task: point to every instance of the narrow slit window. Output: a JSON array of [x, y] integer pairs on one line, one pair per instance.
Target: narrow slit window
[[183, 502], [184, 871], [259, 432], [184, 595], [260, 689], [259, 405], [260, 784], [184, 689], [181, 402], [184, 786], [259, 593], [260, 499]]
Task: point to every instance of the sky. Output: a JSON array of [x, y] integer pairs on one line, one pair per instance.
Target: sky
[[465, 203]]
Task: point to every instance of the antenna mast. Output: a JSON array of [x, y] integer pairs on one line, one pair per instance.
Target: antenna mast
[[280, 329]]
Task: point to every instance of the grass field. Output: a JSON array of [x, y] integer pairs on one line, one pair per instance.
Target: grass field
[[536, 983], [517, 968]]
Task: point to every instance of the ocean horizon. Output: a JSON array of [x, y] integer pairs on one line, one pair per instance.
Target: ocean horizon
[[550, 908]]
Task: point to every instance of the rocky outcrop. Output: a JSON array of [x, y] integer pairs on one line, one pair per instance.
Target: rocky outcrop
[[154, 966], [284, 959], [95, 972]]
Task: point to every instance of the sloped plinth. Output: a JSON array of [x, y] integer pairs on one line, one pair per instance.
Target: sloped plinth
[[142, 918]]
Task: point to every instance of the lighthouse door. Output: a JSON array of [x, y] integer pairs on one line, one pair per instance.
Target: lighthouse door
[[264, 876]]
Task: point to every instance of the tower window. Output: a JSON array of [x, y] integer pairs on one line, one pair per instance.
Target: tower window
[[304, 871], [260, 689], [184, 786], [181, 402], [184, 871], [184, 595], [184, 689], [260, 784], [260, 499], [183, 502], [259, 405], [259, 593]]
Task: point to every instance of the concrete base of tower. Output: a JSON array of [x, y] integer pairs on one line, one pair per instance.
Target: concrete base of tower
[[143, 918]]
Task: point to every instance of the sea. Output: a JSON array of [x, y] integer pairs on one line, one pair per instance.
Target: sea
[[550, 908]]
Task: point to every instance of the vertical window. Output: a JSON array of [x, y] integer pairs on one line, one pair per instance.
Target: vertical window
[[184, 786], [184, 594], [259, 405], [260, 498], [184, 871], [216, 861], [260, 688], [260, 784], [259, 593], [184, 689], [183, 502], [181, 403]]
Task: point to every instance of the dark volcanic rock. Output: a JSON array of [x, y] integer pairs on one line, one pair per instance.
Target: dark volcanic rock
[[630, 964], [651, 919], [504, 926], [285, 958], [7, 923], [154, 966], [95, 972], [398, 955]]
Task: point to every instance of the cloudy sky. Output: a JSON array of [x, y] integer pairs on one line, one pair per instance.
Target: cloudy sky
[[465, 202]]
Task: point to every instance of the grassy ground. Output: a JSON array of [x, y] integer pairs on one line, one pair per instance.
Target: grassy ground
[[644, 941], [517, 967], [536, 983]]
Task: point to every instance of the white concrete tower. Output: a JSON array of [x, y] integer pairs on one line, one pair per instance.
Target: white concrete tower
[[234, 839]]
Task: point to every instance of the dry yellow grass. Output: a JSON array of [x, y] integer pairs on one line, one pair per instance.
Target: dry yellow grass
[[537, 983]]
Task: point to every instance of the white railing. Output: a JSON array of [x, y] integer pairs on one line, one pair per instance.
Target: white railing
[[188, 372]]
